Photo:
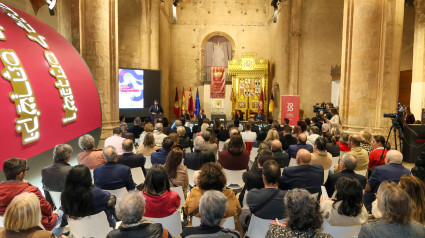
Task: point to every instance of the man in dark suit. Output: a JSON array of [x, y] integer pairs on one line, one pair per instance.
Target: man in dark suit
[[201, 115], [309, 177], [160, 156], [112, 175], [131, 159], [391, 171], [287, 138], [155, 109], [259, 117], [293, 149], [280, 156], [192, 160], [347, 164], [185, 115], [254, 127], [137, 129]]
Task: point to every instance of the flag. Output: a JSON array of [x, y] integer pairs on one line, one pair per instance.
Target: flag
[[176, 109], [197, 103], [271, 104], [183, 101], [190, 105], [232, 96], [261, 102]]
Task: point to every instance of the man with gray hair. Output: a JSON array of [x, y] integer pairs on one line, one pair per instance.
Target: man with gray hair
[[112, 176], [193, 160], [53, 177], [211, 147], [391, 171], [130, 211], [347, 164], [314, 134], [212, 207], [293, 149], [131, 159], [158, 134], [90, 157]]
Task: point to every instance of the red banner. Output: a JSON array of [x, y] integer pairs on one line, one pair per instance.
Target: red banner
[[47, 93], [218, 82], [290, 109]]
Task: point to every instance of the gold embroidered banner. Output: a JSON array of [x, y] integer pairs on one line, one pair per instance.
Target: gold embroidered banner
[[218, 82]]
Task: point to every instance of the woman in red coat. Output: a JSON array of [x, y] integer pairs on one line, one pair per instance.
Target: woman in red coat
[[235, 157]]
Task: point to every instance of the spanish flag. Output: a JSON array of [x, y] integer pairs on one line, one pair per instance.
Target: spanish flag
[[183, 101]]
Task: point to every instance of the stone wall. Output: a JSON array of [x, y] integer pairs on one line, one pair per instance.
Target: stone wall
[[406, 57], [129, 33]]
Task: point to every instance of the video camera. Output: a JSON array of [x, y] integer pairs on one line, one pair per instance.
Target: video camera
[[396, 118]]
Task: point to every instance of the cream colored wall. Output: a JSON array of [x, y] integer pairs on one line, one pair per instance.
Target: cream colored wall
[[244, 21], [406, 57], [320, 47], [129, 33]]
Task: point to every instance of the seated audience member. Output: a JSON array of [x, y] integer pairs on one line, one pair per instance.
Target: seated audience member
[[316, 122], [90, 157], [276, 126], [22, 218], [217, 125], [213, 137], [160, 200], [53, 177], [331, 146], [80, 198], [131, 159], [208, 146], [267, 143], [303, 126], [319, 155], [366, 141], [112, 175], [304, 218], [343, 142], [254, 127], [177, 172], [360, 154], [347, 164], [212, 208], [314, 134], [224, 133], [185, 115], [303, 175], [147, 128], [293, 149], [14, 170], [183, 123], [158, 134], [148, 146], [248, 135], [395, 206], [204, 127], [137, 129], [115, 140], [296, 131], [130, 211], [175, 137], [287, 138], [326, 128], [211, 177], [123, 124], [415, 188], [336, 132], [267, 202], [391, 171], [346, 207], [280, 156], [185, 142], [160, 156], [166, 128], [192, 160], [378, 143], [235, 157], [232, 132], [206, 157], [259, 117], [197, 128]]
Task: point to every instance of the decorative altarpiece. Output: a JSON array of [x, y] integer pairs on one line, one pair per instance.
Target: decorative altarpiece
[[249, 78]]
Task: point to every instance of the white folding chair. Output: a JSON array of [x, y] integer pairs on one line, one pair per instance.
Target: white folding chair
[[148, 163], [258, 227], [179, 190], [340, 231], [1, 221], [118, 193], [234, 177], [244, 203], [324, 192], [92, 175], [325, 175], [220, 145], [228, 222], [56, 197], [341, 153], [138, 176], [335, 160], [292, 162], [90, 226], [254, 153], [315, 195], [361, 172], [190, 173], [172, 223]]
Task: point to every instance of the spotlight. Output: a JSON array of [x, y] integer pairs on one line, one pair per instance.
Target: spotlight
[[275, 4], [176, 3]]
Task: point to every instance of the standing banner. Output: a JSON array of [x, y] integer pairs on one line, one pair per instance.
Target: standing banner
[[290, 109], [218, 82]]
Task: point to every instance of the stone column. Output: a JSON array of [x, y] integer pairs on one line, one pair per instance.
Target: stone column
[[154, 57], [417, 95], [99, 48], [145, 34], [372, 35], [294, 50]]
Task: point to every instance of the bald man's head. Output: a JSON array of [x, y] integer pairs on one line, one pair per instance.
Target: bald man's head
[[127, 145], [303, 157], [233, 131], [302, 138], [354, 140], [276, 145], [394, 157]]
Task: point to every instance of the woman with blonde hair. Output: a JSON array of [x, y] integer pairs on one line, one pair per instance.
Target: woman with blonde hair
[[267, 143], [148, 146], [366, 141], [23, 218], [148, 128], [415, 188]]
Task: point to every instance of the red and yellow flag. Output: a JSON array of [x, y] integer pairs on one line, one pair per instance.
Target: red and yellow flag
[[176, 109], [190, 105], [183, 101]]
